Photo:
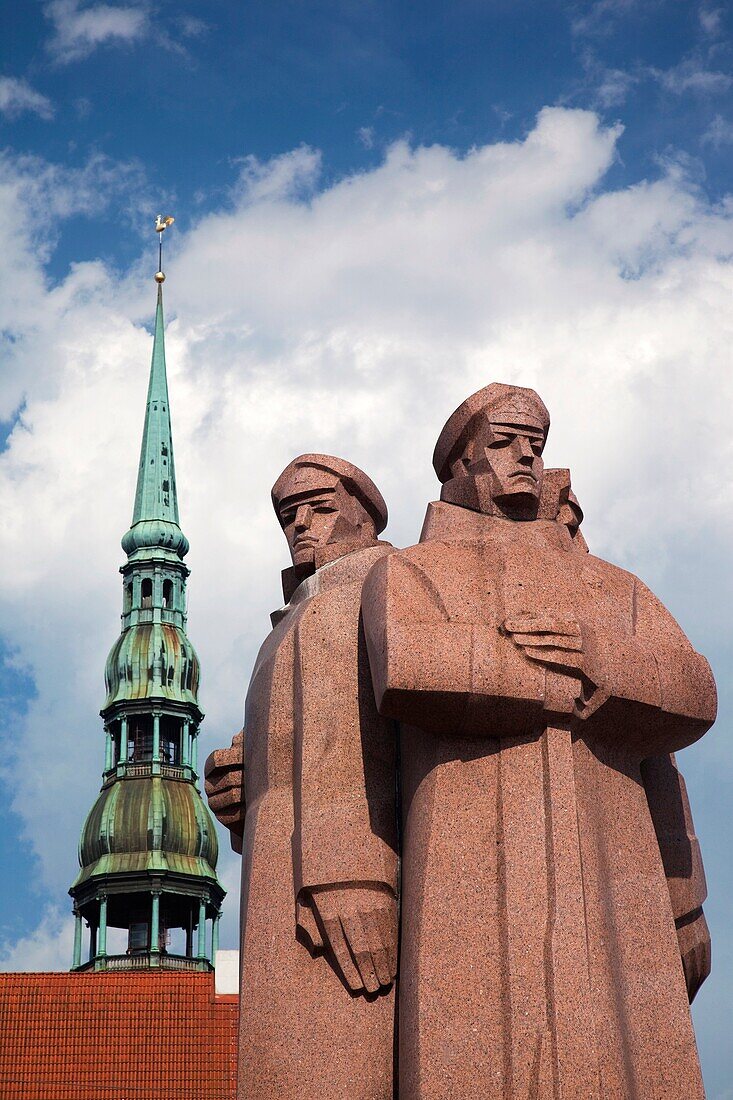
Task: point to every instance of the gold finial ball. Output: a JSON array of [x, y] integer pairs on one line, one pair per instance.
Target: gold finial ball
[[159, 277]]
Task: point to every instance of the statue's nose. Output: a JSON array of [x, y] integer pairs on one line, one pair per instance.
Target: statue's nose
[[303, 517], [523, 450]]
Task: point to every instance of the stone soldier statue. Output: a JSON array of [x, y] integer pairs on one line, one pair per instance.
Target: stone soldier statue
[[669, 805], [319, 844], [539, 956]]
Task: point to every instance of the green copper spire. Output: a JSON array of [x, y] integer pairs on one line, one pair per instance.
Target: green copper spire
[[148, 849], [155, 514], [156, 496]]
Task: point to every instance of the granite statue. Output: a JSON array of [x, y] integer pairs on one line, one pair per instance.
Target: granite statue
[[308, 792], [552, 931]]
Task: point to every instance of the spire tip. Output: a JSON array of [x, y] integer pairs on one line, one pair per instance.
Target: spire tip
[[161, 224]]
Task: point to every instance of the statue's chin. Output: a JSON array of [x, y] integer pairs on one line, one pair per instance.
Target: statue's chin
[[304, 557], [520, 505]]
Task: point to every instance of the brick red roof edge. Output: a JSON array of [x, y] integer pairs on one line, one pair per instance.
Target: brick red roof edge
[[159, 1036]]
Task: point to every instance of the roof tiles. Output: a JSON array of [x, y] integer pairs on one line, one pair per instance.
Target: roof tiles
[[116, 1037]]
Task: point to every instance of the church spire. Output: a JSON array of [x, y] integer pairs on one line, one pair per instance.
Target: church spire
[[148, 848], [155, 512], [156, 496]]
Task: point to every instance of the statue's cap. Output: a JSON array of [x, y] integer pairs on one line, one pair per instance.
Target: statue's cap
[[310, 472], [503, 404]]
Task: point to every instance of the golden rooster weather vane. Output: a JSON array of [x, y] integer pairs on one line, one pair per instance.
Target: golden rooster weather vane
[[161, 224]]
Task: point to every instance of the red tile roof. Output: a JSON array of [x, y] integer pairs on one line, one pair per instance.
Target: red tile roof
[[161, 1036]]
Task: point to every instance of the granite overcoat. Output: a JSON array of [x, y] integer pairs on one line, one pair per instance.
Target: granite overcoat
[[320, 810], [539, 956]]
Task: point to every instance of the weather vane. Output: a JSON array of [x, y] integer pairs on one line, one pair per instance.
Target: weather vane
[[161, 224]]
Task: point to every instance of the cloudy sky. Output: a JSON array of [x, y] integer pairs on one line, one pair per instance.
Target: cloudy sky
[[380, 207]]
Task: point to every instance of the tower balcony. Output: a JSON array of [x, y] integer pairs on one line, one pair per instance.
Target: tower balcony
[[160, 961], [143, 768]]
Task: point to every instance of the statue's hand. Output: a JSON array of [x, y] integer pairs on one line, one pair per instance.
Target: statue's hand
[[693, 938], [357, 926], [224, 785], [561, 645]]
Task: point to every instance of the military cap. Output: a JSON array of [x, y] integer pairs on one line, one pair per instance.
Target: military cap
[[503, 404], [311, 472]]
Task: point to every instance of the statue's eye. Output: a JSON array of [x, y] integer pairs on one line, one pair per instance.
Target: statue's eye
[[500, 441]]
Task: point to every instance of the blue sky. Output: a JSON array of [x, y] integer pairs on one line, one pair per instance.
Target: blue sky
[[180, 92], [379, 208]]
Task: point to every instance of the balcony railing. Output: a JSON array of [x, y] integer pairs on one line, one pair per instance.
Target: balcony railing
[[146, 962], [142, 768], [135, 770], [173, 771]]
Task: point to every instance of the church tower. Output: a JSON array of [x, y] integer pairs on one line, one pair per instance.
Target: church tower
[[148, 849]]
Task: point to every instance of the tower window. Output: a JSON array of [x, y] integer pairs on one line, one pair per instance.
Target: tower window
[[138, 939], [167, 594], [170, 740], [128, 596], [141, 739], [146, 592]]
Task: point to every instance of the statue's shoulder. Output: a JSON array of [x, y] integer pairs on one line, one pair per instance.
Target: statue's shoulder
[[422, 557], [609, 571]]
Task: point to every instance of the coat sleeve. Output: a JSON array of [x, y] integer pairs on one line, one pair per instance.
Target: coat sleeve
[[441, 674], [669, 807], [687, 701], [344, 781]]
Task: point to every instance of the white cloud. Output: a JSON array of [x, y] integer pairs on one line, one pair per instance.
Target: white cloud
[[78, 30], [288, 176], [608, 86], [352, 319], [692, 75], [614, 86], [48, 947], [600, 16], [365, 135], [718, 133], [710, 19], [191, 26], [17, 97]]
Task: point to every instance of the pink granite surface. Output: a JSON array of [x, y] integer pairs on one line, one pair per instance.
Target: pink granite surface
[[541, 943], [525, 698], [319, 872]]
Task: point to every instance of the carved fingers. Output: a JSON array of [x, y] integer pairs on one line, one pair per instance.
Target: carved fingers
[[384, 939], [357, 936], [359, 927], [693, 939], [550, 641], [223, 781], [564, 647], [558, 643]]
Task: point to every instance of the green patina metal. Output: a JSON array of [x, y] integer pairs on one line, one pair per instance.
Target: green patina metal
[[148, 846], [156, 480], [152, 660], [148, 822]]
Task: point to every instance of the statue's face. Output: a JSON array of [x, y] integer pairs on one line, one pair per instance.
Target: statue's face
[[570, 515], [512, 453], [320, 517]]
